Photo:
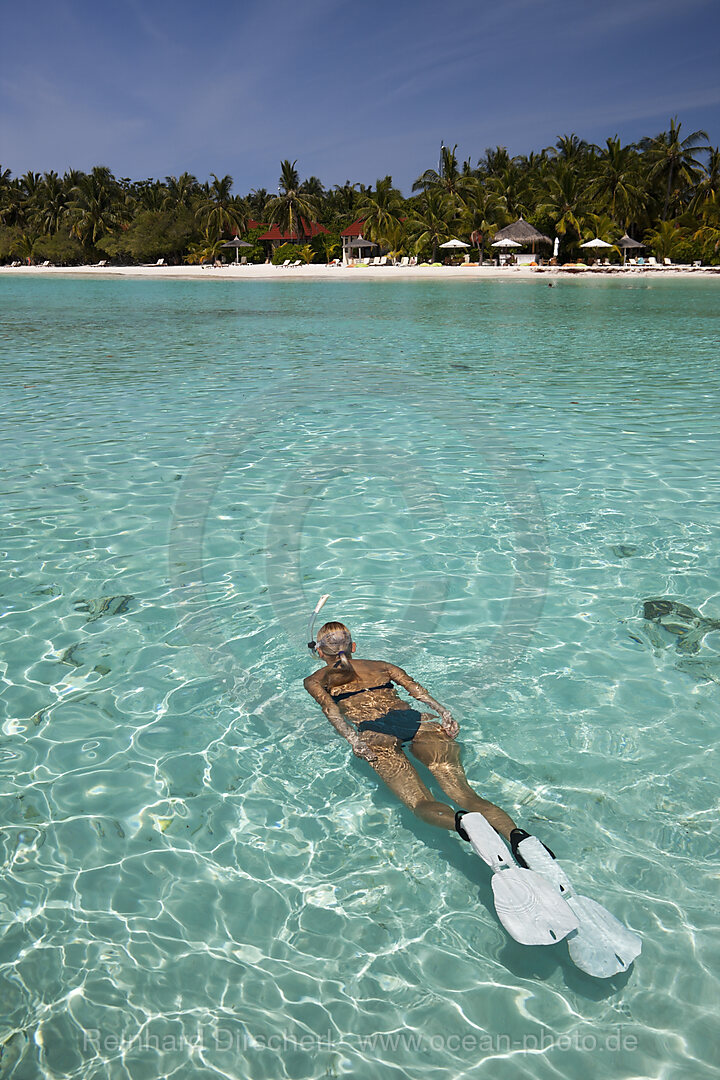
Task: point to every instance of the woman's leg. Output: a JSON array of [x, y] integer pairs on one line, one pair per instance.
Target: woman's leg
[[441, 755], [401, 777]]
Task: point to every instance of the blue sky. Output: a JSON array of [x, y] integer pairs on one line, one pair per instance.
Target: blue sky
[[352, 90]]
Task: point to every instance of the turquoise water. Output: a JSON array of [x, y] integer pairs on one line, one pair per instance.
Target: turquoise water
[[198, 880]]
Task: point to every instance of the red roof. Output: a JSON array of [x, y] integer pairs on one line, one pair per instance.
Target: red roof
[[355, 229], [313, 229], [250, 225]]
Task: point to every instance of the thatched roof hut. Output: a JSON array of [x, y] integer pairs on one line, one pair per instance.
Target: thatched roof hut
[[628, 244], [522, 233]]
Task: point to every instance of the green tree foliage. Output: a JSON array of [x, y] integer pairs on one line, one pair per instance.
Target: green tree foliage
[[218, 211], [285, 252], [435, 218], [153, 235], [676, 161], [381, 211], [572, 189], [293, 206], [60, 249]]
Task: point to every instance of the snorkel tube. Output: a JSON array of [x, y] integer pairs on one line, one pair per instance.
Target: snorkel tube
[[311, 626]]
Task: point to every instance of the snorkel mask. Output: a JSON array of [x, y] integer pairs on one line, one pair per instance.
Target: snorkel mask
[[312, 644]]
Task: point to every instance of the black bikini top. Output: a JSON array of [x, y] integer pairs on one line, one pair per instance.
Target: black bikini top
[[365, 690]]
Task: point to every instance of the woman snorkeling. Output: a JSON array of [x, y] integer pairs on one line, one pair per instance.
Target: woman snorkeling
[[360, 701], [534, 899]]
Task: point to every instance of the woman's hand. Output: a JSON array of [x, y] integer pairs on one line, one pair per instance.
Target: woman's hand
[[362, 750], [449, 726]]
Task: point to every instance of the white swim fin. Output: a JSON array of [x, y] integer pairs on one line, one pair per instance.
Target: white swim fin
[[601, 946], [529, 907]]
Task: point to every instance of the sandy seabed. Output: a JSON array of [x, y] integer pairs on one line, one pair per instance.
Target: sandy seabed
[[265, 272]]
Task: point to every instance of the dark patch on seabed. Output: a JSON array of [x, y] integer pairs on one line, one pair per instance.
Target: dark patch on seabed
[[668, 623], [103, 606], [685, 625]]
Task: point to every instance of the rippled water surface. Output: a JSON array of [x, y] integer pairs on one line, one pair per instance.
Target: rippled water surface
[[491, 479]]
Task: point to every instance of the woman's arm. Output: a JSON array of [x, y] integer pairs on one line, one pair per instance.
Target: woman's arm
[[313, 685], [450, 726]]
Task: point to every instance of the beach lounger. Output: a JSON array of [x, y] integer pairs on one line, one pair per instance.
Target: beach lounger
[[16, 263], [160, 262], [652, 261], [405, 261], [667, 262], [285, 264], [293, 265], [103, 262], [46, 263], [243, 260], [383, 260]]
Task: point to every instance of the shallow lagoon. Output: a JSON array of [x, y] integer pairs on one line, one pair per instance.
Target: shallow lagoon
[[490, 478]]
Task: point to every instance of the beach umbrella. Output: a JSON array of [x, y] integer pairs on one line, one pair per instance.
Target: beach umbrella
[[523, 233], [454, 244], [628, 244], [506, 244], [236, 243], [596, 243], [361, 243]]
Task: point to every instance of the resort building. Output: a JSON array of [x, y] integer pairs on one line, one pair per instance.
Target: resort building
[[275, 236], [350, 238]]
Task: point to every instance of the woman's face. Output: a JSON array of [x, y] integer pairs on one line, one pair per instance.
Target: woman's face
[[327, 658]]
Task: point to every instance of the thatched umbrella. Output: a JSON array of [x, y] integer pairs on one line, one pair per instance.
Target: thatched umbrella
[[628, 244], [236, 243], [523, 233]]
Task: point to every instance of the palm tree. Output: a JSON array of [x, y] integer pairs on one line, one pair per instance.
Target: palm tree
[[495, 161], [666, 238], [435, 218], [617, 182], [313, 186], [482, 210], [206, 250], [306, 253], [709, 230], [292, 207], [569, 147], [565, 200], [94, 209], [179, 190], [25, 246], [709, 186], [218, 211], [602, 226], [449, 179], [53, 203], [513, 187], [152, 196], [329, 245], [340, 203], [257, 200], [674, 158], [381, 210]]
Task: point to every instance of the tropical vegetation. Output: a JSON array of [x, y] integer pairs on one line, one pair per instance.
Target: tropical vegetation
[[663, 190]]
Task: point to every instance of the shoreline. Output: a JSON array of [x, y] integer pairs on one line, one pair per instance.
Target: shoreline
[[318, 272]]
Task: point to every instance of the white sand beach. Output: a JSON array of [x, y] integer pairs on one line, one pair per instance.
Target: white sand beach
[[265, 272]]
